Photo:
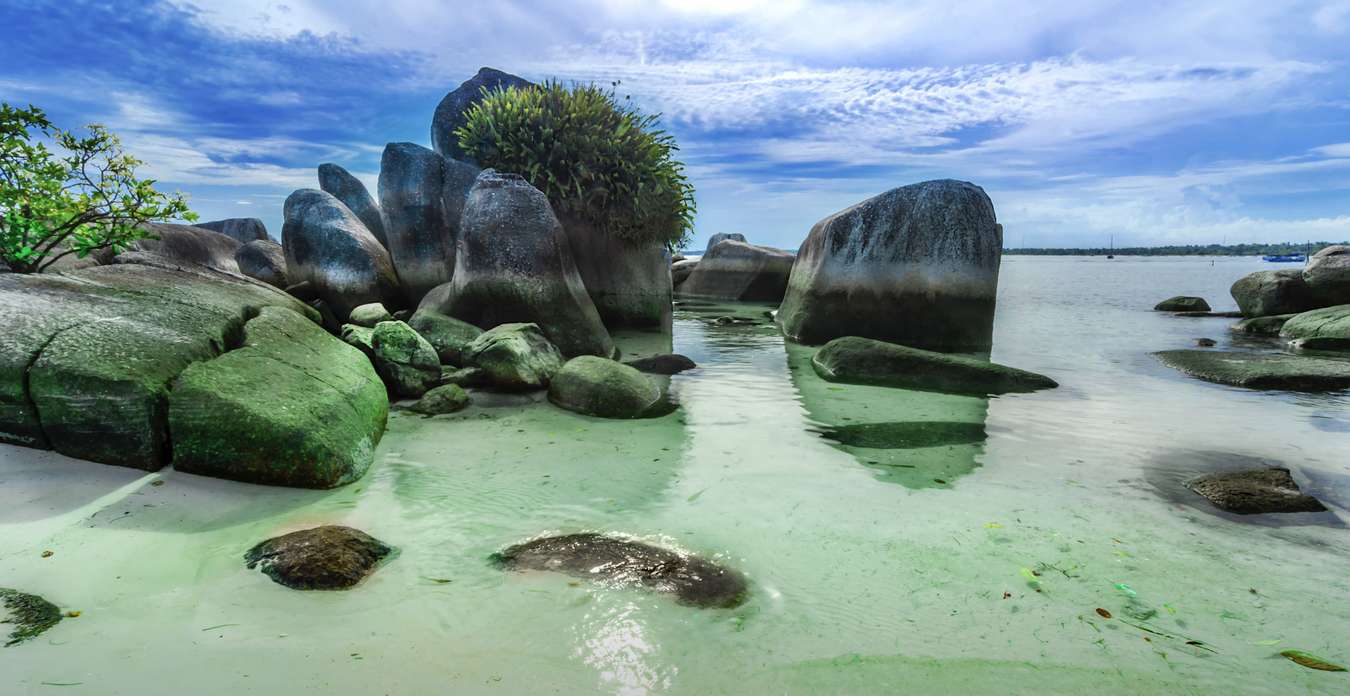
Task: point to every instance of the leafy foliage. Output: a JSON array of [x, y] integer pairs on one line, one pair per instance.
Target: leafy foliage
[[597, 160], [79, 196]]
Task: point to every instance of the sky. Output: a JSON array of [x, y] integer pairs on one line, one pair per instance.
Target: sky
[[1138, 121]]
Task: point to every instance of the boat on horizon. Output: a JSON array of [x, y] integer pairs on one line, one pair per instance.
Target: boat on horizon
[[1285, 258]]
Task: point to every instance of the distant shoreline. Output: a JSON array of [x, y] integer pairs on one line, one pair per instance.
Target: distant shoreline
[[1180, 250]]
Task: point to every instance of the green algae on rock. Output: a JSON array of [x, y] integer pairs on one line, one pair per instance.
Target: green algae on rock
[[1262, 326], [1182, 303], [598, 557], [369, 315], [602, 387], [1260, 370], [330, 557], [514, 356], [1329, 322], [292, 407], [406, 361], [446, 334], [866, 361], [30, 614], [446, 398]]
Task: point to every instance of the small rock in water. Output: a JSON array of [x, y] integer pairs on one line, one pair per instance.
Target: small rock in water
[[324, 558], [1206, 342], [1254, 492], [669, 364], [29, 614], [1182, 303], [724, 321], [694, 581], [866, 361], [443, 399]]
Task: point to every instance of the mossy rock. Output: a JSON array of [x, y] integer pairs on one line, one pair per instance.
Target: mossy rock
[[600, 387], [514, 356], [464, 377], [446, 398], [1330, 322], [406, 361], [866, 361], [368, 315], [331, 557], [1260, 370], [446, 334], [292, 407], [360, 338], [30, 615], [1182, 303], [1262, 326]]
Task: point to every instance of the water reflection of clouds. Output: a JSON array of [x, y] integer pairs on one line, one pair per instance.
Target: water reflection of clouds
[[615, 643]]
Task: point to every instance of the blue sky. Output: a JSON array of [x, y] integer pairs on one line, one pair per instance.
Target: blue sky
[[1153, 122]]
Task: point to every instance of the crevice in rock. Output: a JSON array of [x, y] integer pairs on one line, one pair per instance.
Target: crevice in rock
[[27, 386]]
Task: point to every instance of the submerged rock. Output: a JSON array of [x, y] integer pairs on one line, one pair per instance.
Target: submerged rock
[[514, 356], [906, 434], [338, 182], [447, 335], [323, 558], [368, 315], [866, 361], [1262, 326], [452, 112], [601, 387], [669, 364], [1206, 342], [623, 563], [1254, 492], [421, 240], [740, 272], [406, 361], [916, 265], [292, 406], [242, 230], [30, 615], [265, 260], [1260, 370], [1274, 292], [446, 398], [328, 246], [1182, 303]]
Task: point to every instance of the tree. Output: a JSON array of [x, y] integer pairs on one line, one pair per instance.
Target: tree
[[78, 196], [597, 160]]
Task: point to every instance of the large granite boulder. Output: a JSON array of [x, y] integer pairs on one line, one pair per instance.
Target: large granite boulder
[[340, 183], [404, 359], [1260, 370], [264, 260], [1264, 293], [448, 335], [451, 113], [514, 356], [601, 387], [681, 270], [622, 562], [629, 284], [242, 230], [89, 358], [180, 245], [866, 361], [328, 246], [916, 265], [515, 266], [420, 238], [1328, 323], [291, 406], [331, 557], [738, 271], [722, 237], [1328, 274]]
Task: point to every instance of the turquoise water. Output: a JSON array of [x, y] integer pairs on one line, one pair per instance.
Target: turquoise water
[[966, 543]]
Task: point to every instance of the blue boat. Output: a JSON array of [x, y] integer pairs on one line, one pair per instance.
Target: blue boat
[[1285, 258]]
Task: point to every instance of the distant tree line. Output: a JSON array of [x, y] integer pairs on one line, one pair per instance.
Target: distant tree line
[[1184, 250]]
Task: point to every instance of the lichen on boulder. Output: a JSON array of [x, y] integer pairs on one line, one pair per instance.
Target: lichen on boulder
[[514, 356]]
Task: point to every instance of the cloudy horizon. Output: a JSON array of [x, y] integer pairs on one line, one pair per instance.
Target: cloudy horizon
[[1150, 122]]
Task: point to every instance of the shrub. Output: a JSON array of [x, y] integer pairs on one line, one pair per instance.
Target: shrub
[[597, 160], [80, 198]]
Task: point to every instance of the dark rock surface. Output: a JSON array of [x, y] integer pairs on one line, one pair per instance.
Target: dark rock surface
[[916, 265], [906, 434], [741, 272], [630, 285], [1182, 303], [620, 562], [1265, 293], [29, 614], [328, 246], [668, 364], [450, 113], [406, 361], [291, 406], [1254, 492], [530, 279], [263, 260], [421, 240], [1260, 370], [447, 335], [242, 230], [514, 356], [867, 361], [340, 183], [601, 387], [1262, 326], [1206, 342], [681, 270], [446, 398], [1321, 344], [323, 558]]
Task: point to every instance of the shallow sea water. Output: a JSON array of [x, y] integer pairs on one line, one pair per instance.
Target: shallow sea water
[[895, 541]]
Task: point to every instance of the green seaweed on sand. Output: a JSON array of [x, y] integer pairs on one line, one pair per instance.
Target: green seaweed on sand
[[30, 614]]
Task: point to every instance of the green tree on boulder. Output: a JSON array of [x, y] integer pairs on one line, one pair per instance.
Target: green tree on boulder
[[63, 193]]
